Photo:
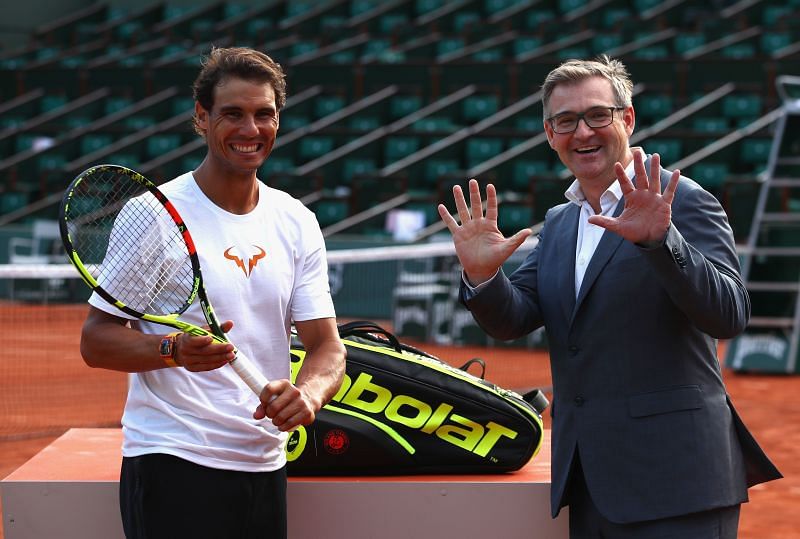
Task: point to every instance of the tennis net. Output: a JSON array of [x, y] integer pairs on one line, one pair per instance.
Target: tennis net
[[45, 387]]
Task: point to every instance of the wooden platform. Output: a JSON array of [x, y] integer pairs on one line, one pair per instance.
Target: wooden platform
[[70, 490]]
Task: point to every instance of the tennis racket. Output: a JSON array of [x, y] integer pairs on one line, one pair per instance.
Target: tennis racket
[[131, 246]]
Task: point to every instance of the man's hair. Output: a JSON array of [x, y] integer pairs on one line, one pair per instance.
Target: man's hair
[[575, 71], [241, 63]]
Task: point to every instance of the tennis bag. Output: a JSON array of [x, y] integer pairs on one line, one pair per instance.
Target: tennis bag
[[403, 411]]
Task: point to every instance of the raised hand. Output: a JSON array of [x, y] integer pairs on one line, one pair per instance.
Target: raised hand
[[647, 212], [480, 245]]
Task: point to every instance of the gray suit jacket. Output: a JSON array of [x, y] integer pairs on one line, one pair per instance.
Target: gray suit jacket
[[637, 388]]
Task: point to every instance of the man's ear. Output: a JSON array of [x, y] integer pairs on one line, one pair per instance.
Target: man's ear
[[202, 116], [549, 132]]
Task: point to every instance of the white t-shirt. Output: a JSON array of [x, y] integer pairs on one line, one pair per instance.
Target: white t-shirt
[[262, 270]]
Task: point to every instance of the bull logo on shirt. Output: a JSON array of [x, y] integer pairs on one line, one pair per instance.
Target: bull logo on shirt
[[246, 263]]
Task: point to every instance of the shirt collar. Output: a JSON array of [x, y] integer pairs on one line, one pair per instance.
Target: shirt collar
[[575, 194]]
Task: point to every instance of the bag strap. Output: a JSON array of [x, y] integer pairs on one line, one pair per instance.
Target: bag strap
[[474, 361], [537, 399], [367, 330]]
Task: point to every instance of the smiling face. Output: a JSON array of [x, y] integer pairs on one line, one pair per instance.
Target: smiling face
[[241, 127], [590, 154]]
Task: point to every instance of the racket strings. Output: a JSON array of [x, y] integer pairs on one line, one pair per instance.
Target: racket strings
[[140, 255]]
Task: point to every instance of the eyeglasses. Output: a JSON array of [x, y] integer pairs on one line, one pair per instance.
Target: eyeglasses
[[595, 117]]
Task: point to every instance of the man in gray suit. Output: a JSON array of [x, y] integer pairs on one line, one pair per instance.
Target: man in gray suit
[[634, 279]]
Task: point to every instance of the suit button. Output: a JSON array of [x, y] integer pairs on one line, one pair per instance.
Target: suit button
[[573, 349], [579, 401]]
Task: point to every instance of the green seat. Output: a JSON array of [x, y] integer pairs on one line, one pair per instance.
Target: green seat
[[116, 104], [51, 161], [391, 21], [525, 172], [481, 149], [24, 142], [359, 7], [448, 45], [478, 107], [353, 167], [531, 124], [464, 19], [438, 168], [535, 19], [565, 6], [364, 123], [293, 121], [741, 105], [569, 53], [433, 124], [52, 102], [402, 105], [399, 147], [605, 42], [162, 143], [493, 6], [12, 200], [303, 47], [524, 45], [654, 106], [313, 147], [257, 29], [326, 105], [11, 120], [683, 43], [773, 41], [137, 123], [489, 55], [652, 52], [709, 175], [756, 150], [512, 217], [424, 6], [709, 124], [331, 211], [91, 142], [739, 51], [125, 159], [76, 121], [669, 149], [275, 165]]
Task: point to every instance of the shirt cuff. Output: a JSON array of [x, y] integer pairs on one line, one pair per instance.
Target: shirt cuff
[[478, 287]]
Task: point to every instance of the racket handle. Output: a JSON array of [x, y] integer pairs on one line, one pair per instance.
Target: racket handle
[[248, 372]]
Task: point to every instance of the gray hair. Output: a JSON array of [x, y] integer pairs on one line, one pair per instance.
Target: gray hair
[[574, 71]]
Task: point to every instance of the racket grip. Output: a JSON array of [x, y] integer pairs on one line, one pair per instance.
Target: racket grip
[[249, 373]]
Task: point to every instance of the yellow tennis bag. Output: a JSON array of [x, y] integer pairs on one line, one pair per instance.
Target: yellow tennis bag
[[403, 411]]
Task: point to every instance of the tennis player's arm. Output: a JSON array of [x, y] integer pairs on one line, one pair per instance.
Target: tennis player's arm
[[107, 342], [322, 372]]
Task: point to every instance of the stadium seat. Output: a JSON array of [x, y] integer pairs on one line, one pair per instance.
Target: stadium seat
[[91, 142], [479, 150], [275, 164], [12, 200], [709, 124], [353, 167], [438, 168], [330, 211], [525, 172], [52, 102], [756, 151], [654, 107], [314, 146], [160, 144], [364, 123], [403, 105], [670, 150], [326, 105], [684, 42], [478, 107], [709, 175], [741, 105], [399, 147], [512, 217]]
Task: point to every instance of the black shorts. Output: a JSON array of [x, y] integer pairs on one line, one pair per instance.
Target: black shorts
[[162, 496]]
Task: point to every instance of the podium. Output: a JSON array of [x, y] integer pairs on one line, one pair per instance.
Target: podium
[[70, 490]]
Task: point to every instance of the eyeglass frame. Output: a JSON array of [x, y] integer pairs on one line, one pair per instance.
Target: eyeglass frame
[[582, 116]]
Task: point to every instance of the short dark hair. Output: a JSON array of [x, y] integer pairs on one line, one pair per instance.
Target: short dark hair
[[236, 62], [574, 71]]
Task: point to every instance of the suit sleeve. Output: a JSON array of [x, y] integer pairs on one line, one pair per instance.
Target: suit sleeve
[[698, 266]]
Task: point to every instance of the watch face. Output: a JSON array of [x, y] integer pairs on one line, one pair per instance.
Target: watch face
[[165, 348]]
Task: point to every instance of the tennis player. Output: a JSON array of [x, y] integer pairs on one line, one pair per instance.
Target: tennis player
[[202, 457]]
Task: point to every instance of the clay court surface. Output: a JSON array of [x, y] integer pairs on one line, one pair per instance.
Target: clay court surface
[[45, 389]]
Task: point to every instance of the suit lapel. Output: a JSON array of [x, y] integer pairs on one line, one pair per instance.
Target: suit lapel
[[608, 245], [566, 245]]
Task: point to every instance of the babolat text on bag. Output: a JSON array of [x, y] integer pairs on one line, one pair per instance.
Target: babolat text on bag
[[403, 411]]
